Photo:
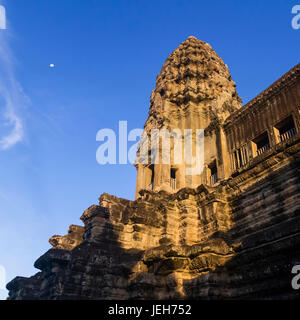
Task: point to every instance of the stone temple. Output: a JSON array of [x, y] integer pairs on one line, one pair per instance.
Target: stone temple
[[231, 231]]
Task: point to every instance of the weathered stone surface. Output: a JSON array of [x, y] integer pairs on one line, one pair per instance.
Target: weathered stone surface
[[235, 239], [70, 241]]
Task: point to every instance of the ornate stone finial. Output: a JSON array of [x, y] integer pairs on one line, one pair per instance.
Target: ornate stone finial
[[195, 79]]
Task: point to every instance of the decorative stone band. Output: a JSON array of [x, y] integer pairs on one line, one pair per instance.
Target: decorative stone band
[[286, 80]]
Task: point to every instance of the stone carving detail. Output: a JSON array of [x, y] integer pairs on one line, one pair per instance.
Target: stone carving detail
[[70, 241], [194, 79]]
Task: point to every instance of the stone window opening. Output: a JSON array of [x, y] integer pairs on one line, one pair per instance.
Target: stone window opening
[[150, 186], [213, 173], [173, 178], [285, 129], [239, 157], [260, 144]]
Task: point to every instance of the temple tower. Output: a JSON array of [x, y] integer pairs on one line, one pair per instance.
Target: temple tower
[[194, 90]]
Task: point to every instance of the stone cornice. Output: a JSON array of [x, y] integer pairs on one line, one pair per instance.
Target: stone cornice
[[288, 79]]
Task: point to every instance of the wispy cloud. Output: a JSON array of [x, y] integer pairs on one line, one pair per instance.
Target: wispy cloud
[[12, 97]]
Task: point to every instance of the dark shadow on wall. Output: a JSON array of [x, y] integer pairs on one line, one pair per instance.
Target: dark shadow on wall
[[266, 238]]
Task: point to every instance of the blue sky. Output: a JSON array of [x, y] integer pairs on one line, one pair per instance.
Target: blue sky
[[107, 55]]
